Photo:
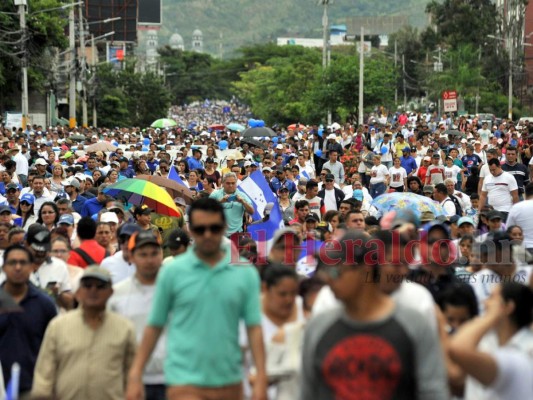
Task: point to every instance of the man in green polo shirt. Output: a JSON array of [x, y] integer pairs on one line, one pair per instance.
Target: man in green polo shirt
[[200, 297], [235, 202]]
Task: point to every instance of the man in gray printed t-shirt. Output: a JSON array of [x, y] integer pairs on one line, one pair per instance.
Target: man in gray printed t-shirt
[[372, 347]]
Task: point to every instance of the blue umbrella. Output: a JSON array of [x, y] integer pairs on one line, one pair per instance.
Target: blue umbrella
[[400, 200], [235, 127]]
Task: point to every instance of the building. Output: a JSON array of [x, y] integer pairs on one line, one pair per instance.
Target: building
[[176, 42], [197, 41]]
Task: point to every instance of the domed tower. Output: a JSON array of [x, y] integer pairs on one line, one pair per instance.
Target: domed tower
[[198, 41], [176, 42]]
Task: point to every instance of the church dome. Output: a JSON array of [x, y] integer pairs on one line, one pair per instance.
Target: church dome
[[175, 40], [197, 32]]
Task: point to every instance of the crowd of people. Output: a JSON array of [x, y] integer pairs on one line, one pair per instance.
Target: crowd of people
[[346, 300]]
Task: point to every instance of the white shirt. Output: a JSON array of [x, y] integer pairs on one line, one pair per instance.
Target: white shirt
[[448, 206], [451, 172], [54, 270], [499, 190], [378, 174], [521, 214], [119, 268], [329, 200], [22, 164], [133, 300], [397, 176], [514, 363]]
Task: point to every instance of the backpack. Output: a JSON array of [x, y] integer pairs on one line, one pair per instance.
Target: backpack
[[86, 257], [458, 208]]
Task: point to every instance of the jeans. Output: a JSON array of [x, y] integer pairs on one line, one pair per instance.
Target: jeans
[[155, 392], [377, 189]]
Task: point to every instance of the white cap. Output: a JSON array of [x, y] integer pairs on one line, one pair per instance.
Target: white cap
[[332, 136], [109, 217], [280, 146], [248, 164], [81, 176], [464, 141], [40, 161]]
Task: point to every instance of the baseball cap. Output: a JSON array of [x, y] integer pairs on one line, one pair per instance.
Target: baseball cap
[[142, 238], [280, 233], [66, 219], [176, 238], [102, 187], [428, 188], [12, 186], [283, 188], [358, 194], [436, 155], [465, 220], [312, 218], [268, 169], [72, 181], [68, 154], [81, 176], [40, 161], [123, 159], [407, 148], [494, 214], [39, 238], [332, 136], [330, 176], [28, 197], [96, 272], [247, 164], [142, 210], [128, 229], [426, 158], [180, 200], [109, 217], [280, 147], [4, 209]]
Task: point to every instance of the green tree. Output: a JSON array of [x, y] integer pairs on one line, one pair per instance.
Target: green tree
[[45, 31], [142, 95]]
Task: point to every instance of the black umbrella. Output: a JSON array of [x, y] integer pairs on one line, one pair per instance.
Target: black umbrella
[[78, 138], [7, 304], [453, 132], [258, 132], [253, 142]]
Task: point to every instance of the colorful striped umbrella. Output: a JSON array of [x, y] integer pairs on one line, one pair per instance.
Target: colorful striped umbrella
[[139, 192]]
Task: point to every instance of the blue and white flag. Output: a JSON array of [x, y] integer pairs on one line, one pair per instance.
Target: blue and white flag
[[173, 174], [258, 190], [12, 388]]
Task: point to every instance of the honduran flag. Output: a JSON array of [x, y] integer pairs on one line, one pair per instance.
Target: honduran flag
[[258, 190]]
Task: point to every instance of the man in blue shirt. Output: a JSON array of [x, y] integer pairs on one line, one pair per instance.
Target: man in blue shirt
[[72, 188], [407, 162], [94, 205], [195, 161], [151, 161], [21, 333], [125, 169], [470, 159]]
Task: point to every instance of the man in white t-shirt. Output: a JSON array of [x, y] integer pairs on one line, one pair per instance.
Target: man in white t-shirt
[[484, 133], [484, 171], [499, 188], [521, 214], [440, 194], [133, 297]]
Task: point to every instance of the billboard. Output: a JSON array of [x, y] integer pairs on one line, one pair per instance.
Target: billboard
[[150, 12], [100, 10]]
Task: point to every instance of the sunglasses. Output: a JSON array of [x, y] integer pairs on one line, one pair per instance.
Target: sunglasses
[[201, 229], [25, 203], [329, 180], [99, 285]]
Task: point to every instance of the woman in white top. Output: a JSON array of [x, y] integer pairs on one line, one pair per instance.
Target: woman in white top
[[451, 170], [398, 176], [379, 178]]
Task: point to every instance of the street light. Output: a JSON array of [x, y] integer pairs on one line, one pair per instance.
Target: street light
[[510, 94]]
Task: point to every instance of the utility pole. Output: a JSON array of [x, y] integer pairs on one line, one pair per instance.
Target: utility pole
[[510, 45], [72, 85], [395, 70], [404, 84], [94, 51], [325, 44], [361, 76], [24, 62], [82, 66]]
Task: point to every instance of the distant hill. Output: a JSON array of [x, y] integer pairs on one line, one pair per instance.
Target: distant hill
[[242, 22]]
